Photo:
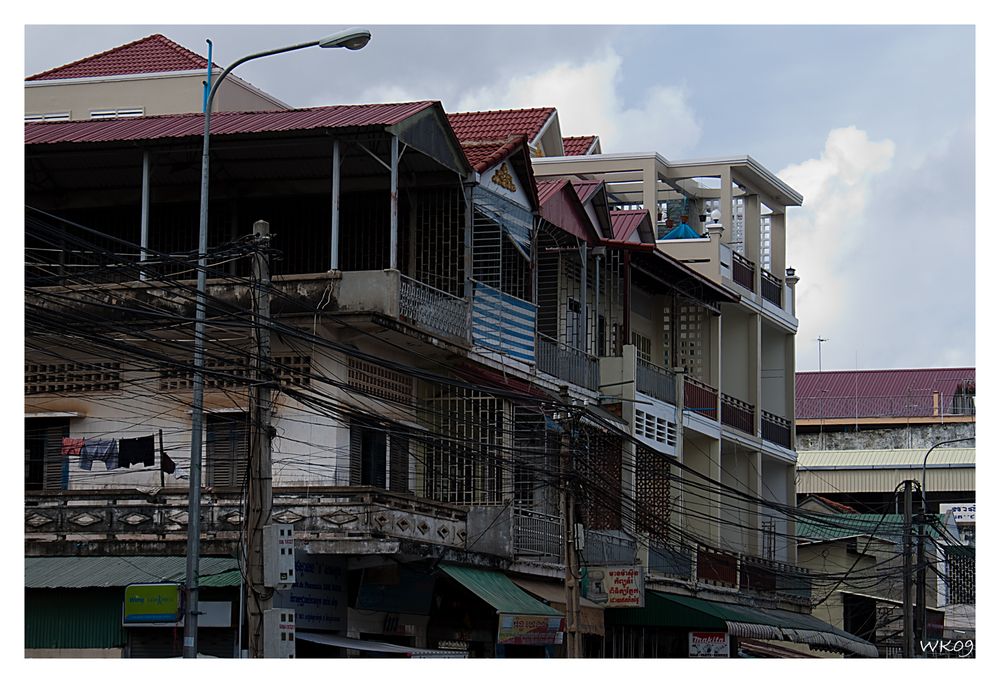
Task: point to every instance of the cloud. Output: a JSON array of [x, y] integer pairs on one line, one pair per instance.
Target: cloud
[[587, 96], [827, 233]]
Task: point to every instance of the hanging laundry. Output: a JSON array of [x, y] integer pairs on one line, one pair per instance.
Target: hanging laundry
[[135, 451], [71, 446], [105, 450], [166, 464]]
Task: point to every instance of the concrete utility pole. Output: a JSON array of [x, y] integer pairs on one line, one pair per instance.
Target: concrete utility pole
[[567, 499], [259, 499], [907, 570]]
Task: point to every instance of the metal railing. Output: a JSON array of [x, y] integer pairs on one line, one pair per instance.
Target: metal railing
[[433, 308], [771, 577], [718, 568], [770, 287], [608, 547], [743, 271], [538, 535], [671, 561], [775, 429], [565, 362], [655, 381], [701, 398], [737, 414]]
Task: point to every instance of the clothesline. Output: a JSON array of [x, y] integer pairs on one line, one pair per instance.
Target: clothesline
[[117, 453]]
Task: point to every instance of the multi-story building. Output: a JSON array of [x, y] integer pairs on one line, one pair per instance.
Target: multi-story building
[[463, 340]]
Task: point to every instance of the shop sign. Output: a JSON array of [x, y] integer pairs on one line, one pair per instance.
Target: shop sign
[[319, 594], [152, 603], [964, 513], [616, 586], [520, 629], [708, 644]]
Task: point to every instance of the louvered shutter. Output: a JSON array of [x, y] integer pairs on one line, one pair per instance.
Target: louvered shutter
[[56, 469], [399, 462], [227, 450], [355, 464]]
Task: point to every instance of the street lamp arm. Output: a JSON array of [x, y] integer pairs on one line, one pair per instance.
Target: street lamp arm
[[923, 478], [244, 60]]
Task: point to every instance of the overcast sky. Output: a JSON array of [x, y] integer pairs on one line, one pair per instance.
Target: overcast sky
[[873, 125]]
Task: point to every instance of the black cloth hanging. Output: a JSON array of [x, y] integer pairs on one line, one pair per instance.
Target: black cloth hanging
[[135, 451], [166, 464]]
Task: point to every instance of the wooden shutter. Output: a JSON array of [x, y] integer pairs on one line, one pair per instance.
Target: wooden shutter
[[399, 462], [227, 450], [355, 463], [55, 471]]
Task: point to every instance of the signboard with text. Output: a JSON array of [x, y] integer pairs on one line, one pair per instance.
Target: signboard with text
[[616, 586], [964, 513], [319, 595], [522, 629], [708, 644], [152, 604]]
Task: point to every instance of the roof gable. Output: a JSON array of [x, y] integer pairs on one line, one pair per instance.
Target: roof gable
[[560, 205], [499, 125], [152, 54], [579, 145]]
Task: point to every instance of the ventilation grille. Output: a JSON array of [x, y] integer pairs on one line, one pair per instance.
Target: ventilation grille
[[71, 378], [234, 372], [655, 428], [380, 382]]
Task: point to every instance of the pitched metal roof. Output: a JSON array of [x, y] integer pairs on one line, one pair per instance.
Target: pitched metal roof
[[625, 222], [548, 188], [585, 189], [893, 458], [110, 572], [818, 527], [223, 123], [879, 393], [499, 125], [578, 144], [152, 54]]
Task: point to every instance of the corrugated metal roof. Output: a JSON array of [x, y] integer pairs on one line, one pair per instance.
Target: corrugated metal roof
[[879, 393], [73, 619], [106, 572], [152, 54], [887, 458], [499, 125], [625, 222], [882, 481], [585, 189], [548, 188], [223, 123], [496, 589], [578, 144]]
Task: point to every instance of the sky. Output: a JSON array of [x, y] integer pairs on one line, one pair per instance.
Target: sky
[[873, 125]]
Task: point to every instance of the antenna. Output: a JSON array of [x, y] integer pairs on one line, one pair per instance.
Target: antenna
[[819, 346]]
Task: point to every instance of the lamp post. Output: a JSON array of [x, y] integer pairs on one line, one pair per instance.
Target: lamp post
[[921, 563], [352, 39]]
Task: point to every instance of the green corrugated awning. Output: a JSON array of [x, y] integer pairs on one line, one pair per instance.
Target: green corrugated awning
[[498, 591], [684, 612], [107, 572]]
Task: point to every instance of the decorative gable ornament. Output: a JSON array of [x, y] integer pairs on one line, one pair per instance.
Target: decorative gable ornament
[[504, 179]]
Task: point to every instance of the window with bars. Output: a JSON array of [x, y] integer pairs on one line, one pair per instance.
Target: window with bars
[[72, 378], [643, 347], [464, 458], [535, 456], [438, 243]]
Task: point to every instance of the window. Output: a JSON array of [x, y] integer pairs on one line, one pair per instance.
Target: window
[[45, 467], [643, 347], [368, 456], [227, 449], [50, 116], [124, 113]]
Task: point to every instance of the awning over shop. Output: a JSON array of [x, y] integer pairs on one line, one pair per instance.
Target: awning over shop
[[376, 646], [496, 589], [107, 572], [591, 614], [685, 612]]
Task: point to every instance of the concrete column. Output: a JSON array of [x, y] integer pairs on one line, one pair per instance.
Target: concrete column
[[714, 344], [726, 202], [778, 245], [790, 383], [335, 208], [649, 189], [754, 366], [751, 231], [792, 552], [755, 482]]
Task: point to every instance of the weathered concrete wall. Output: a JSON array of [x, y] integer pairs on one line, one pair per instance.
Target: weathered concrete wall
[[906, 436]]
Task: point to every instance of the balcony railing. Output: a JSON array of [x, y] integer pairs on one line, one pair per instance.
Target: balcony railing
[[775, 429], [433, 308], [771, 577], [538, 535], [701, 398], [565, 362], [608, 548], [743, 271], [655, 381], [718, 568], [671, 561], [737, 414], [770, 287], [502, 322]]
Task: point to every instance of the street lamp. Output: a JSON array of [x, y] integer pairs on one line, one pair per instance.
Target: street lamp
[[352, 39]]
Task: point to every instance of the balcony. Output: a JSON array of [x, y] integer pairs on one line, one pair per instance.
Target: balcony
[[655, 381], [110, 522], [567, 363], [701, 398], [433, 309], [538, 536], [775, 429], [770, 288], [743, 272], [503, 323], [608, 547], [737, 414]]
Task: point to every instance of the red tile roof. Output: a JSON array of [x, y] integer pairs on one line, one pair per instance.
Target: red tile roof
[[880, 393], [499, 125], [223, 123], [625, 222], [483, 155], [577, 145], [152, 54]]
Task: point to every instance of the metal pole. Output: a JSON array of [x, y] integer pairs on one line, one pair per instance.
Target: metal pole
[[393, 201], [582, 329], [144, 219], [259, 499], [907, 570], [568, 502]]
